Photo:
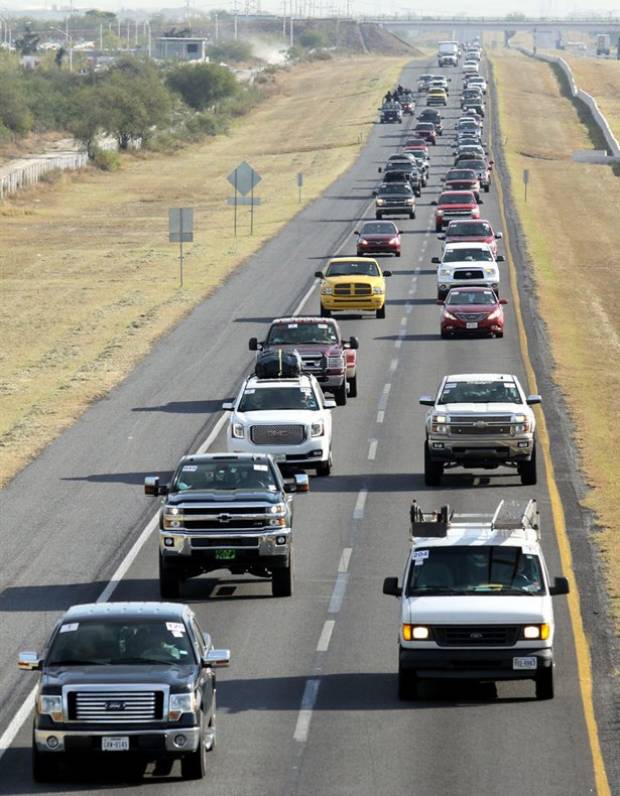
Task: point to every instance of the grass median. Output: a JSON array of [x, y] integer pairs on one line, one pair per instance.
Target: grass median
[[571, 227], [89, 281]]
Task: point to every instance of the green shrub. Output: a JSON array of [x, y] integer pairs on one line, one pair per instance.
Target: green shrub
[[234, 51], [106, 160]]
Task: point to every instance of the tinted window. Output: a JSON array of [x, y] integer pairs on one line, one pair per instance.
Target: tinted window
[[397, 188], [483, 392], [378, 229], [469, 229], [223, 475], [471, 297], [353, 269], [467, 255], [309, 333], [278, 398], [456, 199]]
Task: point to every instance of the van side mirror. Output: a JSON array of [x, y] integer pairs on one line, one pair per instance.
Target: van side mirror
[[533, 399], [500, 258], [426, 400], [560, 586], [391, 587]]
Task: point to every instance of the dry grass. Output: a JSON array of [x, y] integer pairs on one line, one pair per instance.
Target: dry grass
[[573, 236], [89, 280]]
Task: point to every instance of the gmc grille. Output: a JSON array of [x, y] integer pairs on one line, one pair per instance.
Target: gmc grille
[[278, 435]]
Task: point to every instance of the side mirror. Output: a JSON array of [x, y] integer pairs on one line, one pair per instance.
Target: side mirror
[[441, 237], [480, 202], [387, 273], [215, 659], [426, 400], [253, 344], [435, 260], [354, 343], [533, 399], [391, 587], [302, 481], [500, 258], [379, 169], [503, 301], [29, 661], [374, 193], [151, 485], [560, 586], [434, 202], [356, 232], [440, 302], [499, 235], [318, 274], [329, 403], [228, 406]]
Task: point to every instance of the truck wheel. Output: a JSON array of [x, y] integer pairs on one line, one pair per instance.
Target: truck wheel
[[527, 470], [487, 188], [407, 684], [544, 684], [432, 470], [381, 312], [353, 386], [412, 214], [324, 468], [194, 765], [169, 582], [438, 227], [282, 581], [340, 394], [44, 768], [379, 215], [325, 313]]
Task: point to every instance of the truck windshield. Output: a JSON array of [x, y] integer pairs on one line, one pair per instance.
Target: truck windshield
[[223, 475], [367, 268], [309, 333], [480, 392], [466, 255], [492, 569], [278, 398], [119, 643]]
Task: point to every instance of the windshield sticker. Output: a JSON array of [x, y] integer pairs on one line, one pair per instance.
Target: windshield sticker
[[70, 628], [293, 325], [262, 468], [190, 468], [272, 487], [420, 554], [249, 391], [418, 562], [324, 325], [176, 628]]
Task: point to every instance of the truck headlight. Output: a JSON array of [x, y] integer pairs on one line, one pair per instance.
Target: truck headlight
[[335, 362], [316, 430], [409, 201], [446, 273], [540, 632], [439, 424], [173, 510], [439, 212], [277, 508], [378, 291], [490, 272], [326, 290], [380, 202], [238, 430], [521, 424], [180, 704], [50, 706], [416, 633]]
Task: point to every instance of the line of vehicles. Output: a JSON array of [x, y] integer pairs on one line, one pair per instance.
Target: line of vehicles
[[137, 680]]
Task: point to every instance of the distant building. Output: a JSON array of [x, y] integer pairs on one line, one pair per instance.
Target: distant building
[[174, 48]]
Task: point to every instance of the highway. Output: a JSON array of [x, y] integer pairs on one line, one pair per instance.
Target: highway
[[309, 704]]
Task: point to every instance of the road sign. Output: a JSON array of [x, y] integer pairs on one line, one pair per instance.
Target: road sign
[[244, 179], [300, 179], [181, 224], [526, 176], [244, 200]]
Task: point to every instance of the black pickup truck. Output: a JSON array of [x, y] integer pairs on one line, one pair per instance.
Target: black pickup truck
[[226, 511], [125, 684]]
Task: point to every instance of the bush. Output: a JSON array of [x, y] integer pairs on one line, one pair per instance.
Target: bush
[[312, 39], [106, 159], [202, 85], [234, 51], [14, 113]]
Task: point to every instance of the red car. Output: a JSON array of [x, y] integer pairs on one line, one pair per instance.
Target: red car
[[463, 180], [455, 204], [426, 130], [472, 310], [378, 237], [413, 144], [472, 231]]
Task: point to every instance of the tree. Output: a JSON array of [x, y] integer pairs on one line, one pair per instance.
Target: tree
[[234, 51], [87, 119], [202, 85], [14, 113]]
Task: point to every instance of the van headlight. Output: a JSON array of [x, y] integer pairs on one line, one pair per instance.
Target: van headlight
[[416, 633], [50, 706], [539, 632]]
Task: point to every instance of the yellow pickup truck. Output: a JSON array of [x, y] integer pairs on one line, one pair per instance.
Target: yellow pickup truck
[[353, 283]]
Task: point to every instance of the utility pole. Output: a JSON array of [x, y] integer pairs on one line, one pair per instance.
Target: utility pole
[[284, 19], [217, 27], [101, 37], [291, 33]]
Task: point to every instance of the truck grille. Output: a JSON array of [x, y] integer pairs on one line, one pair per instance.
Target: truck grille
[[492, 429], [228, 543], [313, 363], [476, 635], [278, 435], [479, 425], [469, 274], [115, 707], [352, 289], [455, 213]]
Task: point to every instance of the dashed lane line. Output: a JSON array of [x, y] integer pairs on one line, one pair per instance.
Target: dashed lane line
[[372, 449], [360, 503], [326, 634], [308, 701], [345, 558]]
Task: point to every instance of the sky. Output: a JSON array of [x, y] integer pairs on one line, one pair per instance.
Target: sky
[[358, 7]]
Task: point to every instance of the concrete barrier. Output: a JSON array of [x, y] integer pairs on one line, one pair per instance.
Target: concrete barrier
[[598, 117]]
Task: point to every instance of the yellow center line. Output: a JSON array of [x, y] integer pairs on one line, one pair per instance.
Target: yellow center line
[[582, 649]]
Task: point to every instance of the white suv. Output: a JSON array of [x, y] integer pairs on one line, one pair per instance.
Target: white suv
[[475, 600], [467, 265], [288, 418]]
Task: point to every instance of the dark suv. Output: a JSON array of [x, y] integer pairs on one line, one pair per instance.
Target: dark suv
[[127, 682], [225, 511]]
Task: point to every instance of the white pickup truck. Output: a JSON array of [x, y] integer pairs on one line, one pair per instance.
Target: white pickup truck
[[475, 600], [467, 265]]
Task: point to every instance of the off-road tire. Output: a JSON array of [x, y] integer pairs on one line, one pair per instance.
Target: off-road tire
[[433, 471], [169, 582], [527, 470], [340, 394], [544, 684], [282, 581]]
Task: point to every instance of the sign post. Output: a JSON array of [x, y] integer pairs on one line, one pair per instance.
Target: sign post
[[244, 179], [181, 230], [300, 182], [526, 179]]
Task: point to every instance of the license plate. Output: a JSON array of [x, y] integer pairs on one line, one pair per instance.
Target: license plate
[[471, 325], [531, 662], [225, 555], [115, 744]]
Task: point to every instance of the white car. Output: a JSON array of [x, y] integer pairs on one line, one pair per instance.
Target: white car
[[475, 600], [467, 265], [289, 418], [477, 82], [470, 68]]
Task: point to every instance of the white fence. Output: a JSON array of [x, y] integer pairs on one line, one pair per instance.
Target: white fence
[[597, 115]]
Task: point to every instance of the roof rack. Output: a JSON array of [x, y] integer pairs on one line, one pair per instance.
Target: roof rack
[[508, 517]]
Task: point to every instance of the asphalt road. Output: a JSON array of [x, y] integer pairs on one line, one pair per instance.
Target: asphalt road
[[309, 704]]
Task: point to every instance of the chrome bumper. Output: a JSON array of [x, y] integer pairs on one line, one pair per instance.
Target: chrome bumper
[[191, 735]]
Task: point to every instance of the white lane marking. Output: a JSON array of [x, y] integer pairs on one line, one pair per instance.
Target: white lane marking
[[403, 321], [343, 565], [411, 291], [408, 308], [372, 449], [393, 364], [308, 701], [305, 297], [386, 389], [398, 343], [326, 634], [337, 598], [17, 722], [380, 416], [358, 511]]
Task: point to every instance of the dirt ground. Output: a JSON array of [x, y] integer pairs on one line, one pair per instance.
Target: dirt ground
[[88, 278], [573, 236]]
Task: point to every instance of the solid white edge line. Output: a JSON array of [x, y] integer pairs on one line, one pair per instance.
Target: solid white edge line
[[17, 722], [326, 634], [343, 565], [308, 700]]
